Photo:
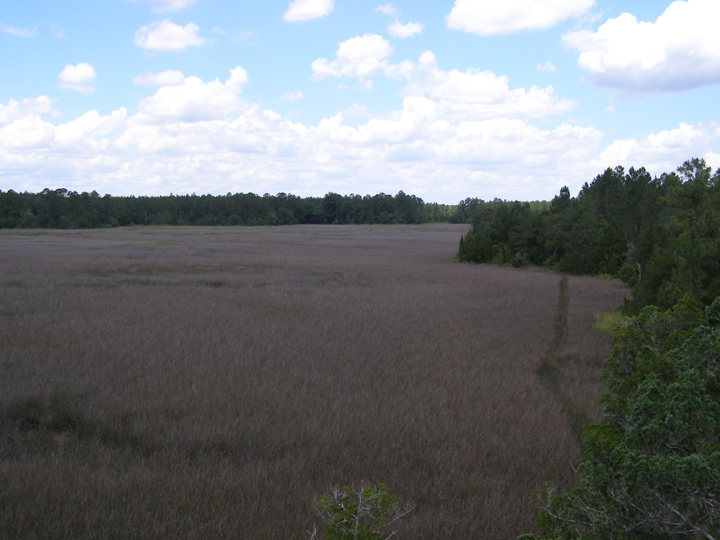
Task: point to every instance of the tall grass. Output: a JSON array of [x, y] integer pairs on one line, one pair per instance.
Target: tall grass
[[209, 383]]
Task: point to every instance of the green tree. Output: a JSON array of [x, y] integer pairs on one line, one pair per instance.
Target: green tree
[[612, 248], [652, 465], [681, 253], [582, 253]]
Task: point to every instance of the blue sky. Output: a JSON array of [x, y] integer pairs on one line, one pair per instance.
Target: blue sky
[[445, 99]]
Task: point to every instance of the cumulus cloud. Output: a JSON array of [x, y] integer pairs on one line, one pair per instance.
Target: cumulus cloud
[[388, 10], [170, 77], [15, 110], [399, 30], [361, 57], [168, 36], [194, 135], [80, 78], [305, 10], [257, 150], [546, 67], [679, 51], [88, 127], [472, 94], [509, 16], [443, 143], [476, 94], [194, 100], [663, 151], [80, 136], [356, 110], [19, 32], [291, 96], [161, 6]]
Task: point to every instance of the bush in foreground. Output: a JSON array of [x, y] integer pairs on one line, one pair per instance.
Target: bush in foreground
[[359, 514], [652, 465]]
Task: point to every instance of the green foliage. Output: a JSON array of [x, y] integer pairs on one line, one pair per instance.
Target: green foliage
[[501, 233], [659, 235], [359, 514], [607, 322], [652, 465], [65, 209]]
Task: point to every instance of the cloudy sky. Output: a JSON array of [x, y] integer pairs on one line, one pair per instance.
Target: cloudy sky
[[443, 99]]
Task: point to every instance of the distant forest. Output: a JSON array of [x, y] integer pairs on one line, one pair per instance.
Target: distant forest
[[63, 209], [661, 235]]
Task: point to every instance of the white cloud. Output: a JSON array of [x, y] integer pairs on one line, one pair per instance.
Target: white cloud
[[712, 159], [414, 149], [679, 51], [610, 109], [456, 134], [170, 77], [305, 10], [472, 94], [388, 10], [356, 110], [81, 137], [291, 96], [161, 6], [88, 127], [477, 95], [194, 100], [399, 30], [80, 78], [361, 57], [19, 32], [509, 16], [27, 132], [663, 151], [15, 110], [546, 67], [168, 36]]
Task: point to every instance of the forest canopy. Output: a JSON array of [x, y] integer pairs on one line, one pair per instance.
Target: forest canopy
[[63, 209], [661, 235]]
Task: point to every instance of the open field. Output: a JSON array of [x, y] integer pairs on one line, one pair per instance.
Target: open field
[[210, 382]]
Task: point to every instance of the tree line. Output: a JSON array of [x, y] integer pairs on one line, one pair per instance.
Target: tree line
[[661, 235], [63, 209]]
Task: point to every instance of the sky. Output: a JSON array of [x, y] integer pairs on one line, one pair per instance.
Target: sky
[[441, 99]]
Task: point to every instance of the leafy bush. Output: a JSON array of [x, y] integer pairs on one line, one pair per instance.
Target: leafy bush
[[652, 465], [359, 514]]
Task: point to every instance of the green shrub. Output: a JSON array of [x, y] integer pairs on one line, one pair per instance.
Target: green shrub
[[652, 465], [363, 513]]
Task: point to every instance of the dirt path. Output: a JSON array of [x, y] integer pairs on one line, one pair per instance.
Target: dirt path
[[549, 372]]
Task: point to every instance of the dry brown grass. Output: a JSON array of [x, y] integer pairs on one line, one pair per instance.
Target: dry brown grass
[[209, 383]]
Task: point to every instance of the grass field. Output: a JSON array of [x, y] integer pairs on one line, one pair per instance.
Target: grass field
[[211, 382]]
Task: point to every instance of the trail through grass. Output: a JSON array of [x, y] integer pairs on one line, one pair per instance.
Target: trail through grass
[[549, 371]]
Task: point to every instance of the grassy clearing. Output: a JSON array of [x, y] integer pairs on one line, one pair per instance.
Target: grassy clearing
[[607, 322], [209, 383]]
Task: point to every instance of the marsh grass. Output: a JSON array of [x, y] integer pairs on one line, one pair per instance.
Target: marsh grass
[[212, 382]]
